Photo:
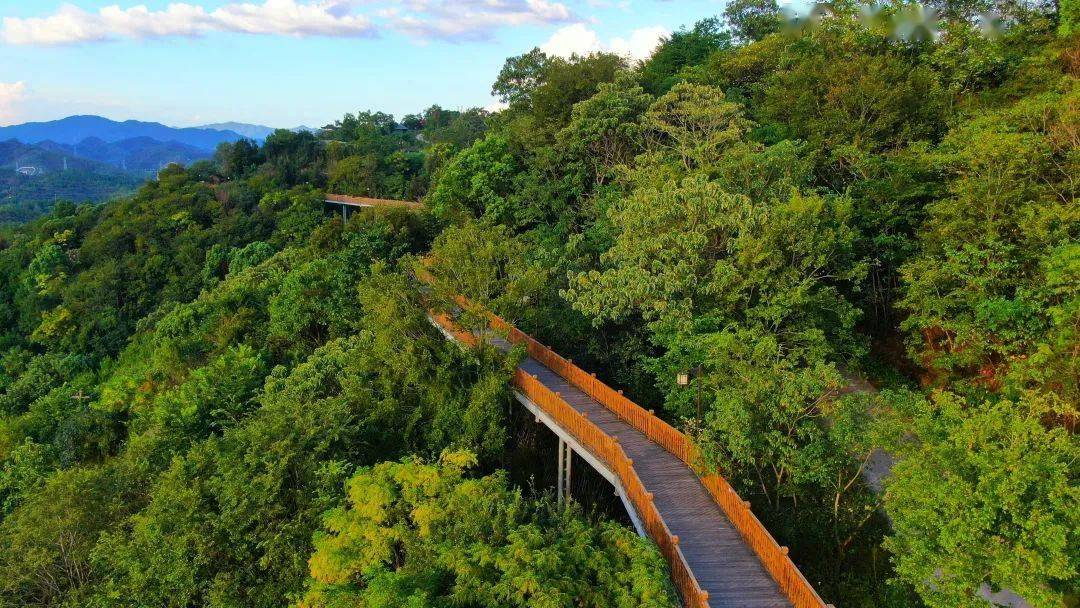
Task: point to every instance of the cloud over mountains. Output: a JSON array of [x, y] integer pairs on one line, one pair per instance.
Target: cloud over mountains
[[11, 94], [453, 20]]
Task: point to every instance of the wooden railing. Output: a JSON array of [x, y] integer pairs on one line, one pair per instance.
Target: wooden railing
[[774, 557]]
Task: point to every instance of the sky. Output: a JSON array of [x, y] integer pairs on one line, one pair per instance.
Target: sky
[[285, 63]]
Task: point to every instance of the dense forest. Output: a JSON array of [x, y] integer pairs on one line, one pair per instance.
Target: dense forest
[[25, 198], [55, 178], [857, 231]]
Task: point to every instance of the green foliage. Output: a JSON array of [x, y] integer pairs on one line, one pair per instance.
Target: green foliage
[[291, 158], [26, 198], [789, 197], [752, 20], [369, 154], [1068, 17], [477, 182], [25, 470], [237, 160], [453, 128], [416, 534], [487, 264], [685, 48], [692, 258], [838, 88], [542, 90], [214, 397], [605, 131], [985, 494], [967, 60], [978, 293], [694, 125], [48, 539]]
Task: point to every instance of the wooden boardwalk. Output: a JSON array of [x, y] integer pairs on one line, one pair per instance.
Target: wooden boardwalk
[[364, 201], [719, 553], [718, 556]]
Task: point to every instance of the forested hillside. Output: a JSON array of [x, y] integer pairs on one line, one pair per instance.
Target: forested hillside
[[54, 177], [27, 197], [857, 234]]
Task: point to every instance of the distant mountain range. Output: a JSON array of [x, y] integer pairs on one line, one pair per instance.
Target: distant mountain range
[[256, 132], [140, 148], [92, 158], [74, 129], [137, 155], [40, 159]]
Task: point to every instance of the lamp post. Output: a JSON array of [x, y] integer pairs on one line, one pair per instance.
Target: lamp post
[[683, 379]]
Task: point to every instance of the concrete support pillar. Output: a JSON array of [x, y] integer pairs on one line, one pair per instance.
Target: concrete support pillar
[[561, 473], [566, 458], [569, 461]]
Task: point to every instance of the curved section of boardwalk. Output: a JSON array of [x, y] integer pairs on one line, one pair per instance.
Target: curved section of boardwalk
[[720, 555], [721, 562]]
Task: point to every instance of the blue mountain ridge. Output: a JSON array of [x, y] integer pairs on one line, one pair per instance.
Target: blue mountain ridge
[[75, 129]]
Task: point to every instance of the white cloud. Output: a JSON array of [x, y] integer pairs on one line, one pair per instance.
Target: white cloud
[[452, 20], [459, 20], [71, 25], [641, 43], [578, 39], [141, 22], [327, 18], [496, 106], [11, 96]]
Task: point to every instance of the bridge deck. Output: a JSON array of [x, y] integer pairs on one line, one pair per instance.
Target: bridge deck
[[364, 201], [715, 551]]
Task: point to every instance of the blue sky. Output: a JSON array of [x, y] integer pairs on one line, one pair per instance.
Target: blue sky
[[289, 62]]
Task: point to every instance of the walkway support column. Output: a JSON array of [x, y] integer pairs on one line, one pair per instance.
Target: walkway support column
[[566, 457], [562, 473], [569, 460]]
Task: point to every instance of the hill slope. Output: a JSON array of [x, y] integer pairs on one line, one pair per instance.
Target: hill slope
[[141, 155], [45, 159], [57, 176]]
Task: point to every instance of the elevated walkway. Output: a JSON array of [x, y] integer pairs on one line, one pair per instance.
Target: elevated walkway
[[720, 555], [360, 202]]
